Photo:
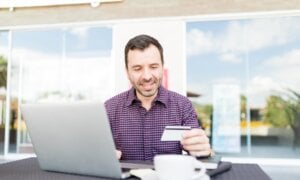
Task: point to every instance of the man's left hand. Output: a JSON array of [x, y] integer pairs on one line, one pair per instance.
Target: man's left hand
[[196, 143]]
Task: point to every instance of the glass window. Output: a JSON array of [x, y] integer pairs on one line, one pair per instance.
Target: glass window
[[258, 60], [55, 65], [3, 83]]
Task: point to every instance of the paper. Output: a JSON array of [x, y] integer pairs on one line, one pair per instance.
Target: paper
[[144, 174], [174, 133]]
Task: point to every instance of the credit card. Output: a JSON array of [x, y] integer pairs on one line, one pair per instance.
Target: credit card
[[174, 133]]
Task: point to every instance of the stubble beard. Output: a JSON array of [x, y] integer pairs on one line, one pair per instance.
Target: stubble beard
[[151, 93]]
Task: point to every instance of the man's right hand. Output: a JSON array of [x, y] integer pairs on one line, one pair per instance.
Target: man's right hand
[[118, 154]]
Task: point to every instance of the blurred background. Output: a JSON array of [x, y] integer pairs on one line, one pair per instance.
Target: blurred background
[[237, 61]]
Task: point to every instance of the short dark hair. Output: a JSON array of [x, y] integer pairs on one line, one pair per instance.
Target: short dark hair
[[141, 42]]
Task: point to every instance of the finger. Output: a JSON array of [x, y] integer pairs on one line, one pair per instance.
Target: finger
[[118, 154], [193, 132], [195, 140], [197, 147], [200, 153]]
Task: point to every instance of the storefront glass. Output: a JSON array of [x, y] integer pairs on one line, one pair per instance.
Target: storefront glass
[[261, 59], [57, 65]]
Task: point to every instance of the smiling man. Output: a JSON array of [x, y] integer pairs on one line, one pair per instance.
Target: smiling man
[[138, 116]]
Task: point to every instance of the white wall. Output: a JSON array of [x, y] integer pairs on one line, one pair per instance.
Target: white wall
[[171, 35]]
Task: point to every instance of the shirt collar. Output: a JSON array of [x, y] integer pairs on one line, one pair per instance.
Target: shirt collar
[[162, 96]]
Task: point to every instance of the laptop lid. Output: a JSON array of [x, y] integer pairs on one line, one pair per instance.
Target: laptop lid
[[72, 138]]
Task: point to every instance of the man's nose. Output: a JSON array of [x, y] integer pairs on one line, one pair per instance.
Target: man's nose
[[147, 74]]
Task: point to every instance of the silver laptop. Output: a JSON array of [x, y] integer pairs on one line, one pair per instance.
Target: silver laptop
[[73, 138]]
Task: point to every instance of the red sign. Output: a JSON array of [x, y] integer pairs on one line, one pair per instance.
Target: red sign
[[165, 78]]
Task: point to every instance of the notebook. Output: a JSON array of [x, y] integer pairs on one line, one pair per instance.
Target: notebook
[[73, 138], [211, 162]]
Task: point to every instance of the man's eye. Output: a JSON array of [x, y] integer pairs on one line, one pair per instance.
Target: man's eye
[[154, 67], [136, 69]]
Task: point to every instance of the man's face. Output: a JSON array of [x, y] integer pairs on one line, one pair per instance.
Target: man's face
[[145, 71]]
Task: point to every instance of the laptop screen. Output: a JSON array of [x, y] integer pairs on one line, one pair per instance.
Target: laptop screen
[[73, 138]]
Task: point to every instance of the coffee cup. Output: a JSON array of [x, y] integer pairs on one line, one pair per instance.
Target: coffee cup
[[179, 167]]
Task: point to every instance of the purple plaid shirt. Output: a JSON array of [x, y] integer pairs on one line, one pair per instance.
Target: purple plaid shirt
[[137, 132]]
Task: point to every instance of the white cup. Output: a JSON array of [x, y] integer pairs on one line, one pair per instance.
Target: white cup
[[179, 167]]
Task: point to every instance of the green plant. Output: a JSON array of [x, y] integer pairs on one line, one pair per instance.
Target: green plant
[[3, 71], [274, 112], [283, 111], [204, 114], [292, 110]]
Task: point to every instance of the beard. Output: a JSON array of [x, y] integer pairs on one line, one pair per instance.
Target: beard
[[155, 83], [147, 93]]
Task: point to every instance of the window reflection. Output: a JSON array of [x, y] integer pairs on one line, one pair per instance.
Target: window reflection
[[3, 84], [59, 65], [262, 57]]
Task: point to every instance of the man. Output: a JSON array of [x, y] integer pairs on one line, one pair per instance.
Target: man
[[138, 116]]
